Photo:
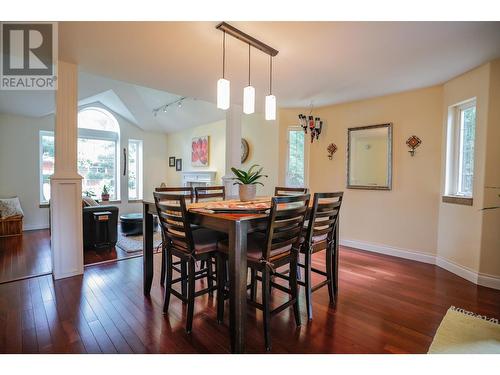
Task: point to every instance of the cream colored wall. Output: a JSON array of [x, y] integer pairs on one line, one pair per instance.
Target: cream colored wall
[[490, 237], [459, 237], [179, 145], [262, 137], [405, 217]]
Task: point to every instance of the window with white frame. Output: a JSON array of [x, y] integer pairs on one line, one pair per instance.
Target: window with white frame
[[98, 158], [295, 166], [46, 164], [460, 149], [134, 166]]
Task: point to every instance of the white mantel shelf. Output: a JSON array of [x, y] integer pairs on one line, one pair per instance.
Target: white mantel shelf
[[198, 177]]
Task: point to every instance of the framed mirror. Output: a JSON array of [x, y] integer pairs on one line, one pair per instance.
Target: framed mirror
[[369, 157]]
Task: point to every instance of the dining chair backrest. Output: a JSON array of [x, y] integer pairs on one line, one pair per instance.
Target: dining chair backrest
[[203, 193], [184, 190], [280, 191], [323, 217], [174, 221], [285, 222]]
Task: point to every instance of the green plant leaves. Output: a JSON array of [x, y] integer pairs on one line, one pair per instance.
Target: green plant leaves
[[248, 177]]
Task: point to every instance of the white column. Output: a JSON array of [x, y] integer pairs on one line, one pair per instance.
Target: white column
[[233, 146], [66, 183]]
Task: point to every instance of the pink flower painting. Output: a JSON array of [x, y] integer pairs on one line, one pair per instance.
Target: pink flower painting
[[199, 151]]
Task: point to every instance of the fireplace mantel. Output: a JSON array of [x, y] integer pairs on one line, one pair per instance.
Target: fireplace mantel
[[198, 178]]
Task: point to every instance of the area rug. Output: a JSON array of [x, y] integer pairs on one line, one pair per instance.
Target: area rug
[[464, 332], [133, 244]]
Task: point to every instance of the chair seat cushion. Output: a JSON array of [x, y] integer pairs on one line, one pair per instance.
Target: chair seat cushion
[[255, 245], [205, 241]]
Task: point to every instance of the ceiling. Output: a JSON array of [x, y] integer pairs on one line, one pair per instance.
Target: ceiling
[[319, 62], [133, 102], [134, 67]]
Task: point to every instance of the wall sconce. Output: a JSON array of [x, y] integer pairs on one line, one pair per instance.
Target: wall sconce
[[315, 124], [331, 150], [413, 142]]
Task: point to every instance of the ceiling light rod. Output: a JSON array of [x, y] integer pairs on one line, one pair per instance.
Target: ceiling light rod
[[238, 34], [165, 106]]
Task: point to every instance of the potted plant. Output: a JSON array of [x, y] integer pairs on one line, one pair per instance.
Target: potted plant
[[248, 181], [105, 193]]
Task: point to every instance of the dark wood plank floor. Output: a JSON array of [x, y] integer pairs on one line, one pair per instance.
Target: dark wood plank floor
[[386, 305], [24, 256]]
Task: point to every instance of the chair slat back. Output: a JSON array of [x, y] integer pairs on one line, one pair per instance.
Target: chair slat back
[[285, 223], [280, 191], [174, 221], [209, 193], [324, 216], [184, 190]]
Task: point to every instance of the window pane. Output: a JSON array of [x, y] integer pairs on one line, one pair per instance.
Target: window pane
[[97, 166], [295, 173], [133, 192], [97, 119], [47, 167], [466, 164]]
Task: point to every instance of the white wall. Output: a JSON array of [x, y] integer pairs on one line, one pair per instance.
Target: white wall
[[19, 163]]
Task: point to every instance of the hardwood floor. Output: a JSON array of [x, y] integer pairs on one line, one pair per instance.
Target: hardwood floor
[[26, 255], [386, 305]]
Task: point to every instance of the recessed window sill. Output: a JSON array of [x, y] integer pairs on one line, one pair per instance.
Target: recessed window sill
[[455, 199], [135, 201]]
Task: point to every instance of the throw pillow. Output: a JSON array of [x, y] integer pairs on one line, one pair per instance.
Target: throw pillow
[[89, 202], [10, 207]]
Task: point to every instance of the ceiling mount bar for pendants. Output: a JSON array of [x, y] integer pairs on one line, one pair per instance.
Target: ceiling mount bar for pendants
[[238, 34]]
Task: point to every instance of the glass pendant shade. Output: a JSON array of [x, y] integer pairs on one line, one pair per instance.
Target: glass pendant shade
[[223, 93], [249, 100], [270, 107]]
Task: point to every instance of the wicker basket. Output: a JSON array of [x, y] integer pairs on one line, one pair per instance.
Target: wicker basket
[[11, 226]]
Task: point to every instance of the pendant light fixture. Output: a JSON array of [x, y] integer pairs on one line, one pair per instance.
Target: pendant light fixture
[[270, 99], [249, 92], [223, 85]]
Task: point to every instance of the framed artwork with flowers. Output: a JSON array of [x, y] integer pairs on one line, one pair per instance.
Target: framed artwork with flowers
[[199, 151]]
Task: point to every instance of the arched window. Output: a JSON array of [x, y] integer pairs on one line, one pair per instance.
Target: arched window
[[98, 140]]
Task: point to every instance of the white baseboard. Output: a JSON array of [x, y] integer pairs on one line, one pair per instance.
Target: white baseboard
[[35, 226], [389, 250], [482, 279], [457, 269]]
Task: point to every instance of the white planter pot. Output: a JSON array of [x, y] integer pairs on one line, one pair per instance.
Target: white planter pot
[[247, 192]]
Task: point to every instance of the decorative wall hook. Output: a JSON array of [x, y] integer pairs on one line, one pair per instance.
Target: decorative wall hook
[[413, 142], [331, 150]]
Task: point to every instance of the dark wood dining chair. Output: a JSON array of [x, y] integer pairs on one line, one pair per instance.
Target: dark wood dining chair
[[277, 247], [189, 193], [321, 234], [280, 191], [187, 245], [204, 193]]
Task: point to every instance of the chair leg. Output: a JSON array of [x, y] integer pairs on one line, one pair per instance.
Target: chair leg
[[184, 276], [253, 284], [210, 280], [163, 262], [191, 290], [266, 306], [308, 283], [221, 277], [168, 281], [330, 276], [294, 288]]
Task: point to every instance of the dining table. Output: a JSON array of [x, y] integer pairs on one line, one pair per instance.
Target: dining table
[[236, 225]]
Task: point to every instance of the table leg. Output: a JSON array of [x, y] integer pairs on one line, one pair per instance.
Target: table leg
[[147, 252], [238, 285]]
